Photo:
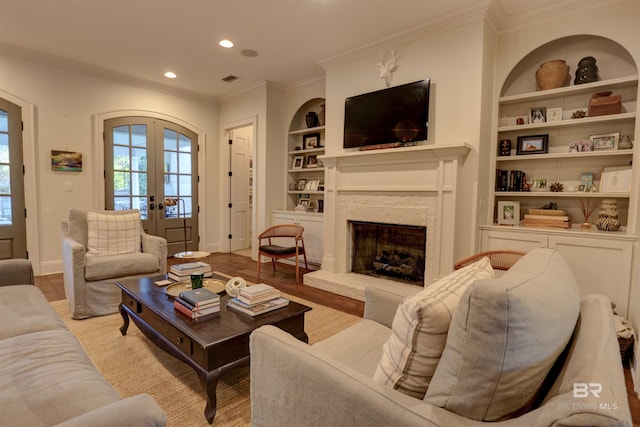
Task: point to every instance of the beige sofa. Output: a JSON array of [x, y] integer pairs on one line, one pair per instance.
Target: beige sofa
[[89, 280], [501, 329], [46, 379]]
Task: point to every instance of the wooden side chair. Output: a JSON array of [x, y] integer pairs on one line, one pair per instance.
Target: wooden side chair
[[282, 232], [500, 259]]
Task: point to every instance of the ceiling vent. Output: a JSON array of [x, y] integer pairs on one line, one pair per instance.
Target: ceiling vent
[[230, 78]]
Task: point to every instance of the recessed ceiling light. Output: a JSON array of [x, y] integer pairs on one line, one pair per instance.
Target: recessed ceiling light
[[226, 43], [170, 75]]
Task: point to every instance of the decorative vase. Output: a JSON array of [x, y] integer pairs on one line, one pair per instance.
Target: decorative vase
[[312, 119], [585, 225], [552, 74], [587, 71], [608, 217]]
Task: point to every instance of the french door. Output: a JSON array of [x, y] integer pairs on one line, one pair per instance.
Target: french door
[[152, 165], [13, 231]]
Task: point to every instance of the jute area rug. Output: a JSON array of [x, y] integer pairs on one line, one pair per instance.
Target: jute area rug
[[134, 365]]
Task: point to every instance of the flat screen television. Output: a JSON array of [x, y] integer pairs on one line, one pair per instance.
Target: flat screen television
[[395, 114]]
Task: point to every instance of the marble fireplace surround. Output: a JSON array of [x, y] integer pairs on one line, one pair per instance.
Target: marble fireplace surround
[[409, 186]]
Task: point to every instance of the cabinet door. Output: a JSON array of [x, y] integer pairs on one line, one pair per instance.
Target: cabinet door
[[600, 266], [496, 240]]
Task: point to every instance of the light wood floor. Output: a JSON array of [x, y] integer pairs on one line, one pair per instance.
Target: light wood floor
[[284, 278]]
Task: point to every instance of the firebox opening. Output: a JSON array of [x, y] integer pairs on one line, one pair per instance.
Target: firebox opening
[[391, 251]]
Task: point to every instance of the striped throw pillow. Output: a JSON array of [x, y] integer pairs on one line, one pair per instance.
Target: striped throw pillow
[[419, 331]]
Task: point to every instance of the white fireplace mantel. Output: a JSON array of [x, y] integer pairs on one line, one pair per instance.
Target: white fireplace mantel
[[408, 185]]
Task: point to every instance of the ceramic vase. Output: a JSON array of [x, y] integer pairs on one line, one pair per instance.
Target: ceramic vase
[[608, 217], [552, 74]]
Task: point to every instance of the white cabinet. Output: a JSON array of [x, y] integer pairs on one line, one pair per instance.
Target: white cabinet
[[313, 224], [601, 263]]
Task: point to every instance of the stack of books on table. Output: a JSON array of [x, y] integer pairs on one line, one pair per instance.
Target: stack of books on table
[[556, 218], [257, 299], [197, 304], [183, 272]]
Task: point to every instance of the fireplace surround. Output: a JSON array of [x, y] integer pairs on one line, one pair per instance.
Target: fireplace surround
[[412, 186]]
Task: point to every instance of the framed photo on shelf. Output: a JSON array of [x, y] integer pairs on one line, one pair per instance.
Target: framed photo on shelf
[[312, 185], [554, 114], [508, 213], [311, 140], [304, 202], [298, 162], [533, 144], [615, 179], [537, 115], [301, 184], [605, 141], [312, 161]]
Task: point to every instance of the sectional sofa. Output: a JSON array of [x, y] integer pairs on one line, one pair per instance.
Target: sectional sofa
[[46, 379]]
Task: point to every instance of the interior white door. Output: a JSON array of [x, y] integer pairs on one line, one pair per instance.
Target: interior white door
[[240, 208]]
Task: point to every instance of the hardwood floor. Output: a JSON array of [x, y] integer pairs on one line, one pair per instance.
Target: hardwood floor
[[284, 278]]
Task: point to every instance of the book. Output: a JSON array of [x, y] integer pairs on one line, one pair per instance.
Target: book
[[257, 290], [549, 217], [261, 298], [198, 297], [257, 309], [190, 266], [186, 277], [195, 314], [545, 223], [547, 212], [187, 271], [197, 307]]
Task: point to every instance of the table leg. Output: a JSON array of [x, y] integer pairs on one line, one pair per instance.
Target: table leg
[[125, 318], [209, 381]]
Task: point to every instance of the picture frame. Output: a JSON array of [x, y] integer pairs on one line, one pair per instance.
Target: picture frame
[[539, 184], [66, 161], [301, 184], [554, 114], [537, 115], [306, 202], [312, 161], [312, 185], [615, 179], [310, 141], [508, 212], [533, 144], [298, 162], [605, 141], [504, 148]]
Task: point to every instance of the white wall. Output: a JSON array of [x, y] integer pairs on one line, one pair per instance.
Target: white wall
[[64, 100]]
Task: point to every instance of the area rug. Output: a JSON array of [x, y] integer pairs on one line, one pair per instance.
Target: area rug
[[134, 365]]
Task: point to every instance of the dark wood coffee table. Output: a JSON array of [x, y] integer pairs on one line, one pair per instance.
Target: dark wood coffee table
[[210, 347]]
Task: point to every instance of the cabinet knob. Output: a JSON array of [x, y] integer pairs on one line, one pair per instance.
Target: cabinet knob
[[180, 341]]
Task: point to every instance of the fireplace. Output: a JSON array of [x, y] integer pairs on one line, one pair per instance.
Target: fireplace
[[391, 251], [416, 187]]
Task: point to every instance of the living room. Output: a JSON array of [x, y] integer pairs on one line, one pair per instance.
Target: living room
[[467, 57]]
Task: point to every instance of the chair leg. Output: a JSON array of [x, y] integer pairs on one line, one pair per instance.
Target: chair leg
[[297, 269], [273, 262]]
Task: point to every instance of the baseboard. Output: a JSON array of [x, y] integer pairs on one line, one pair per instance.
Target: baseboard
[[635, 368]]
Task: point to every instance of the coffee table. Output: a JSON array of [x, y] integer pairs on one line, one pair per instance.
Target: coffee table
[[210, 347]]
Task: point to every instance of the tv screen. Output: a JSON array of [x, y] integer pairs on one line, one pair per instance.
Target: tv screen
[[396, 114]]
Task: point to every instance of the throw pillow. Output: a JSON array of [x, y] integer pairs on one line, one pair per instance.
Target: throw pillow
[[504, 338], [113, 232], [419, 331]]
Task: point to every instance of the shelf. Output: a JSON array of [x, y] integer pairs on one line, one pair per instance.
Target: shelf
[[576, 156], [564, 194], [306, 130], [574, 230], [307, 151], [587, 88], [305, 192], [306, 170], [569, 122]]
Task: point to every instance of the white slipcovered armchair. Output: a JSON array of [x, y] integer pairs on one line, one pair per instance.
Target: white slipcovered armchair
[[99, 247]]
